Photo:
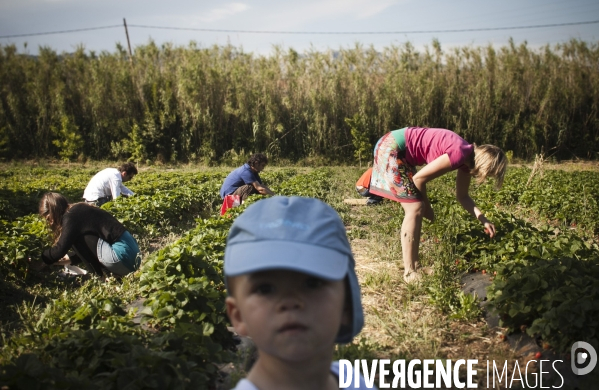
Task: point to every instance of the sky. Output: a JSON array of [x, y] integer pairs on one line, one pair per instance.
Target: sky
[[298, 24]]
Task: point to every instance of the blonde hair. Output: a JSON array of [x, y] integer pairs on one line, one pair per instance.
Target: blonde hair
[[52, 208], [489, 161]]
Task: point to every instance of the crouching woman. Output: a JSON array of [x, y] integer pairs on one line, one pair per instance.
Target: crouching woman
[[96, 237]]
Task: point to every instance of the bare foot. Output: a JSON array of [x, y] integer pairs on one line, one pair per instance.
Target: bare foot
[[416, 276], [412, 277]]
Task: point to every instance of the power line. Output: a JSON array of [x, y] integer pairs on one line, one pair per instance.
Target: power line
[[309, 32], [367, 32], [60, 32]]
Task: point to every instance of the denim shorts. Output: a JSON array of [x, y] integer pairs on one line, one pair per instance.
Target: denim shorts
[[109, 258]]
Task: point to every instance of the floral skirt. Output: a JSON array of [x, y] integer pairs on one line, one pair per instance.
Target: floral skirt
[[391, 174]]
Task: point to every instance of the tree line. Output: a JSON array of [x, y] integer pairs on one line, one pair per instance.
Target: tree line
[[189, 103]]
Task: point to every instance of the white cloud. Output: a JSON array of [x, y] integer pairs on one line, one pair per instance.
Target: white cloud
[[222, 12]]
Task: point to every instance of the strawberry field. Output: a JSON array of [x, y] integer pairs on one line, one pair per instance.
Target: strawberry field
[[164, 326]]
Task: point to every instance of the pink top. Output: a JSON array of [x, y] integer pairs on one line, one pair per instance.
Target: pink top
[[424, 145]]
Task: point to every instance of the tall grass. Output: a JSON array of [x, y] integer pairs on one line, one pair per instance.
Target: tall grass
[[191, 103]]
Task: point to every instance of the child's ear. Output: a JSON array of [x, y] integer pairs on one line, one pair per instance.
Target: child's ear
[[346, 321], [235, 316]]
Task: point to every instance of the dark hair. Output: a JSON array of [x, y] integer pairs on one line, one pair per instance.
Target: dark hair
[[52, 208], [256, 159], [128, 167]]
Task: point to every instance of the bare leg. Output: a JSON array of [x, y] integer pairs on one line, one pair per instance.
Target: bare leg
[[410, 236], [244, 191]]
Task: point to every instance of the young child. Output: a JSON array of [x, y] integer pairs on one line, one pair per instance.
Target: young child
[[293, 289]]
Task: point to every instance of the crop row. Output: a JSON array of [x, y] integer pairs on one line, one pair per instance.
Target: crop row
[[150, 215], [22, 188], [570, 198]]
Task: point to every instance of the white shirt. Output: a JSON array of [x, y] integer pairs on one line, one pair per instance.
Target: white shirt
[[107, 182]]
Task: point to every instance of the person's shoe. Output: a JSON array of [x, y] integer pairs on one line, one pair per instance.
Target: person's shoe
[[374, 200]]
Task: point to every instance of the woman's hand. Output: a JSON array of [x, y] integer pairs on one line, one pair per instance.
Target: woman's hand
[[462, 186], [64, 261], [489, 228]]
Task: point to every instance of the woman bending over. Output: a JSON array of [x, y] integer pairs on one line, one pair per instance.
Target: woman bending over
[[394, 177], [96, 237]]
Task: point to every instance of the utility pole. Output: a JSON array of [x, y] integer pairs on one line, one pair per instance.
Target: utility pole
[[141, 96], [128, 42]]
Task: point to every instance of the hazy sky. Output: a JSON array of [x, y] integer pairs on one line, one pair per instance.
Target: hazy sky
[[406, 16]]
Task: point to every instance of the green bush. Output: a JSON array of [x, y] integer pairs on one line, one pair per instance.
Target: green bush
[[556, 299]]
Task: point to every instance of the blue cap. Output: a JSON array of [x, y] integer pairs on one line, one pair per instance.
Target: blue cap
[[296, 234]]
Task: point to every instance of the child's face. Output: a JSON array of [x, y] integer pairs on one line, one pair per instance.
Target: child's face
[[289, 315]]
